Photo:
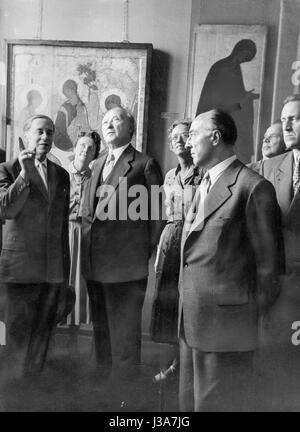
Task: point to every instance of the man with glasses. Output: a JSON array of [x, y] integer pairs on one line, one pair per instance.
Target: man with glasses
[[273, 145], [284, 172]]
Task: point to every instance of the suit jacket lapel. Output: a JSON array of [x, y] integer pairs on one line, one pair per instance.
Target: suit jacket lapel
[[283, 183], [294, 209], [217, 196], [95, 181], [293, 213], [52, 181], [120, 169], [16, 168]]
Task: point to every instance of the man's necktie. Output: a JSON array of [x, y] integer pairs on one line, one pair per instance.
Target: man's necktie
[[42, 169], [204, 187], [197, 205], [296, 176], [109, 164]]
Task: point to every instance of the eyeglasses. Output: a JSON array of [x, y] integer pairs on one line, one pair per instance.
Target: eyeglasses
[[183, 136], [268, 138], [88, 134]]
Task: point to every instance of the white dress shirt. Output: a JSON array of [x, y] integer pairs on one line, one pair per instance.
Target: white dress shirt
[[42, 170], [216, 171], [296, 156], [116, 153], [196, 211], [214, 174]]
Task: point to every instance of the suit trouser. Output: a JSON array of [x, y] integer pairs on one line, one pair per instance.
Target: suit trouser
[[215, 381], [30, 320], [116, 312]]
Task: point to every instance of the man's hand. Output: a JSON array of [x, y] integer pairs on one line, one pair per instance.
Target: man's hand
[[26, 159]]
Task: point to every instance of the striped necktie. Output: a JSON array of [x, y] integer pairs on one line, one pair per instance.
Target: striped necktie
[[204, 186], [42, 169], [109, 164], [296, 176], [198, 201]]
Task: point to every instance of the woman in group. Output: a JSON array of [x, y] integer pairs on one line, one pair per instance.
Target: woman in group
[[179, 185], [86, 150]]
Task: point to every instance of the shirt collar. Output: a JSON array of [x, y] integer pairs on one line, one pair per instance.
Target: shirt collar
[[73, 170], [43, 163], [217, 170], [118, 151], [296, 155], [188, 173]]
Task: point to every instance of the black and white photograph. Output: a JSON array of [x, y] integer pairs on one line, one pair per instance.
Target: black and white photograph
[[150, 208]]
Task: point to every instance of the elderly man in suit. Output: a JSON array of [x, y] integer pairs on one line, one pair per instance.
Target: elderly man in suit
[[34, 261], [284, 172], [117, 247], [231, 257], [273, 145]]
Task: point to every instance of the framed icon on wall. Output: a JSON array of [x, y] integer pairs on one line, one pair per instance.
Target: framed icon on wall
[[74, 83], [226, 71]]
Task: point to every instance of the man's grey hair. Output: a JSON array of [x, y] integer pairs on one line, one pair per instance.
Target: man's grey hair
[[292, 98], [28, 122]]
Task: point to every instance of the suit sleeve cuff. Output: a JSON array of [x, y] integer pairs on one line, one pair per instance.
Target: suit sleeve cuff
[[24, 181]]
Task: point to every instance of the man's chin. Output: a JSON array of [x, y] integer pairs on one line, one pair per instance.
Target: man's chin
[[109, 137], [292, 145], [196, 161], [43, 152], [268, 155]]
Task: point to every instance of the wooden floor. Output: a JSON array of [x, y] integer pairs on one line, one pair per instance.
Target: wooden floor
[[71, 383]]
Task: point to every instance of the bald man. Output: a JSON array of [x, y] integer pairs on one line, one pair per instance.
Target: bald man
[[231, 255], [273, 145]]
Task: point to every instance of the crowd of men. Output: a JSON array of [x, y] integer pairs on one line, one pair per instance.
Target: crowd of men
[[240, 253]]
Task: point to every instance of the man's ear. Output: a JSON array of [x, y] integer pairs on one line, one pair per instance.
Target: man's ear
[[216, 137]]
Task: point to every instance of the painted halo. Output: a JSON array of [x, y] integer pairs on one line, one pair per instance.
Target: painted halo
[[113, 91]]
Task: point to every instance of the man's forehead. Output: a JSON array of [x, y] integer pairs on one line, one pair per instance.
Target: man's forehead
[[202, 120], [291, 108], [276, 128], [120, 112], [41, 123]]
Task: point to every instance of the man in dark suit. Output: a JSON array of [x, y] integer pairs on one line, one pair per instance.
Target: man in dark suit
[[273, 145], [284, 172], [231, 257], [117, 244], [34, 261]]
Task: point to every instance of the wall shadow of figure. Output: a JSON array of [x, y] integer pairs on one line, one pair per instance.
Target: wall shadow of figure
[[224, 88]]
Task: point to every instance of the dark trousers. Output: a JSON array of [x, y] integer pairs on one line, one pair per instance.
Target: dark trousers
[[212, 381], [116, 312], [30, 320]]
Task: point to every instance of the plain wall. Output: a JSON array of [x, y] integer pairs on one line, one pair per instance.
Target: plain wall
[[287, 53]]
